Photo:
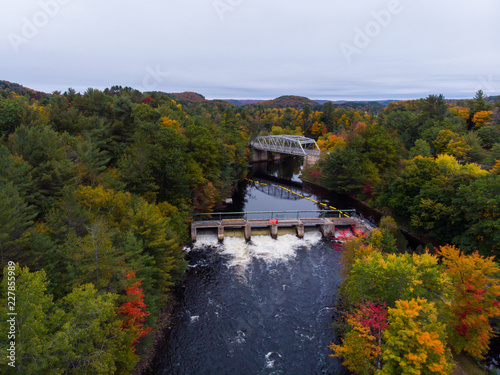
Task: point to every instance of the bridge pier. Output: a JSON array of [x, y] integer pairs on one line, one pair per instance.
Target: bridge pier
[[259, 155], [310, 160], [274, 231], [247, 232], [299, 228], [220, 233]]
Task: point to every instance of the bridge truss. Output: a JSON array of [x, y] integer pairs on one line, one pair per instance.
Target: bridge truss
[[287, 144]]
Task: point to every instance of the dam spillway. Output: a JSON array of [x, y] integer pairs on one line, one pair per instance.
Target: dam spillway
[[274, 222]]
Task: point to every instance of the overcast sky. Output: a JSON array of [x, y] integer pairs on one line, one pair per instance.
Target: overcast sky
[[255, 49]]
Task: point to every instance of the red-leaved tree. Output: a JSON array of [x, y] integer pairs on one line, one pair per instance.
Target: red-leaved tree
[[134, 310], [361, 347]]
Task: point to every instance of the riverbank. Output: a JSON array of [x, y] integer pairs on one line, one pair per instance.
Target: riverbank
[[414, 239], [163, 326]]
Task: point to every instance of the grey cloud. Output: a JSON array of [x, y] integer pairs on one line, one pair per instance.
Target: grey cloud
[[257, 48]]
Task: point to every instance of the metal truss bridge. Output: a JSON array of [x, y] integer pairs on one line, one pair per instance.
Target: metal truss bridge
[[287, 144]]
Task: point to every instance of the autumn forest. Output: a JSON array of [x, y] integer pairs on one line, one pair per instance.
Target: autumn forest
[[98, 190]]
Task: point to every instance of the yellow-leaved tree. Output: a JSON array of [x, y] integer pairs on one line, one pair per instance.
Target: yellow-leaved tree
[[415, 342], [482, 118], [475, 292]]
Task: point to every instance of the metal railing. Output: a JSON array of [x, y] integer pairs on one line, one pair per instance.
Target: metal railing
[[287, 144], [274, 215]]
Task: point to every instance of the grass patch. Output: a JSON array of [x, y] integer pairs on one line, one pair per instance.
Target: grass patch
[[465, 365]]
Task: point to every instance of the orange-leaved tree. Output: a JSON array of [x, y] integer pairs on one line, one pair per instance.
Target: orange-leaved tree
[[482, 118], [496, 167], [415, 342], [475, 292]]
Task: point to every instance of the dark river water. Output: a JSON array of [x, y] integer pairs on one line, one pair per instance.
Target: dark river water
[[263, 308]]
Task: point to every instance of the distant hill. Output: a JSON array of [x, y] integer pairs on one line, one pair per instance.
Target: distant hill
[[300, 102], [466, 102], [239, 103], [366, 105], [187, 96], [21, 90], [357, 102], [292, 101], [332, 101], [492, 99], [385, 102], [190, 99]]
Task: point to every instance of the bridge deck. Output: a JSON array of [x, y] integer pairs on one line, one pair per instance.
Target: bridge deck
[[286, 150]]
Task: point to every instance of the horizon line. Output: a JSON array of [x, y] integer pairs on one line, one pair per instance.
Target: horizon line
[[314, 98]]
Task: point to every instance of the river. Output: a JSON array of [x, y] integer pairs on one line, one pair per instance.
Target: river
[[265, 307]]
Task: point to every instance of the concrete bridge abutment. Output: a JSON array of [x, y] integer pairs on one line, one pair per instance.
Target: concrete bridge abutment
[[259, 155], [310, 160], [327, 230]]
